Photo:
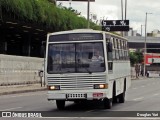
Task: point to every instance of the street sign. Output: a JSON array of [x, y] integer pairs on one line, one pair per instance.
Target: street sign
[[115, 25], [77, 0]]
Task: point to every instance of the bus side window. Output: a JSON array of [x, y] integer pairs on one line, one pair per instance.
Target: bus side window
[[123, 54], [117, 54], [114, 51], [117, 50], [114, 54], [110, 66], [110, 56], [120, 50]]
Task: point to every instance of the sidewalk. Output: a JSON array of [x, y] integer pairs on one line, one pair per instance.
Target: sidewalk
[[133, 75], [139, 78], [12, 89]]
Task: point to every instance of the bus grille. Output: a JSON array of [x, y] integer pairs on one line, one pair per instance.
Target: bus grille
[[77, 82]]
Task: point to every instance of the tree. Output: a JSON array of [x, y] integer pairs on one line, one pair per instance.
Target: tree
[[136, 57], [44, 13]]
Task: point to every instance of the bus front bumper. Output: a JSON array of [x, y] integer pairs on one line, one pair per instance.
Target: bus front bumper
[[77, 95]]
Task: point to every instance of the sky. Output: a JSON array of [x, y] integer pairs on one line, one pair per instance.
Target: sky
[[111, 10]]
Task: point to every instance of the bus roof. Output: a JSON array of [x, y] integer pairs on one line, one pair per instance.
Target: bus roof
[[84, 31]]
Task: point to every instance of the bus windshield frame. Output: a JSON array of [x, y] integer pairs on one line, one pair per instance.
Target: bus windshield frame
[[76, 57]]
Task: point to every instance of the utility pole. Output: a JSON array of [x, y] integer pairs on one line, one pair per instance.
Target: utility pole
[[125, 14], [88, 11], [145, 47], [125, 9], [122, 8]]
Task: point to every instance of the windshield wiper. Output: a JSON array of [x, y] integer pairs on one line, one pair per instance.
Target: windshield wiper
[[83, 66], [88, 70]]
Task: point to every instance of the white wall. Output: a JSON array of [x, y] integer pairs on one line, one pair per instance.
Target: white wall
[[19, 70]]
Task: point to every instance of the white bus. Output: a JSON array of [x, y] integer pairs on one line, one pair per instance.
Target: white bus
[[87, 64]]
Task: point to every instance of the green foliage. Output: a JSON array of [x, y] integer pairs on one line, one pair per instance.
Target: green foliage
[[136, 57], [45, 13]]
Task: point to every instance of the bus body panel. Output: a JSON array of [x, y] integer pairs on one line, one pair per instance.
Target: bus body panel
[[80, 86]]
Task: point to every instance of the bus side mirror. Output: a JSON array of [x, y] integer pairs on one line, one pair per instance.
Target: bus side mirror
[[40, 73], [109, 47]]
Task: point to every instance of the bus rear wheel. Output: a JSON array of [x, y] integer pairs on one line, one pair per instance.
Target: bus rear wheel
[[121, 97], [107, 103], [147, 74], [60, 104]]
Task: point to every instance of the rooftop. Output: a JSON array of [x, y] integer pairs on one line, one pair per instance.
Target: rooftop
[[139, 39]]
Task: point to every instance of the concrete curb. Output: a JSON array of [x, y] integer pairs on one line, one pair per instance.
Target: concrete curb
[[23, 91], [140, 78]]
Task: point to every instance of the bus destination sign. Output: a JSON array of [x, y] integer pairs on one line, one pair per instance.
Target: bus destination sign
[[115, 25]]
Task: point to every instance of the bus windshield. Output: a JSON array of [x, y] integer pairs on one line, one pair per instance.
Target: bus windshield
[[75, 58]]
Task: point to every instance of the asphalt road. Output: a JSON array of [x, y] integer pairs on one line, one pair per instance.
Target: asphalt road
[[144, 95]]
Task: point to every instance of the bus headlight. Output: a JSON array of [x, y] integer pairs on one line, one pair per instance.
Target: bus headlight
[[100, 86], [54, 87]]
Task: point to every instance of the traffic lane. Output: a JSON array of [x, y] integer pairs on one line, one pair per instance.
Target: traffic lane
[[133, 92], [28, 101], [145, 96], [150, 88], [38, 102], [144, 81]]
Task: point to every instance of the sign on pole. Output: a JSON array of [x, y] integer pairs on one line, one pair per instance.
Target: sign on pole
[[115, 25]]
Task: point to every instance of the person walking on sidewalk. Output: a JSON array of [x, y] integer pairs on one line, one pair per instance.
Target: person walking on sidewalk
[[137, 69]]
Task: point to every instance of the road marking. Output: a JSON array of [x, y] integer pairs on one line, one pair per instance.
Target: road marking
[[11, 109], [134, 88], [138, 98], [156, 94], [91, 110], [143, 86]]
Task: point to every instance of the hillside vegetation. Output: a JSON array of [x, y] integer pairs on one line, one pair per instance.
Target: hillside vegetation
[[44, 13]]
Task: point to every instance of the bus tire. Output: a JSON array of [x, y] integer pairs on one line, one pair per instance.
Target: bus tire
[[121, 97], [115, 100], [77, 101], [60, 104], [107, 103], [147, 74]]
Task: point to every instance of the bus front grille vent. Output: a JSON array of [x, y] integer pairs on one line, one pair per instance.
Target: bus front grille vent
[[77, 82]]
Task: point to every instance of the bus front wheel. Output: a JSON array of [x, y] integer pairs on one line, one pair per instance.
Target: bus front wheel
[[107, 103], [60, 104]]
